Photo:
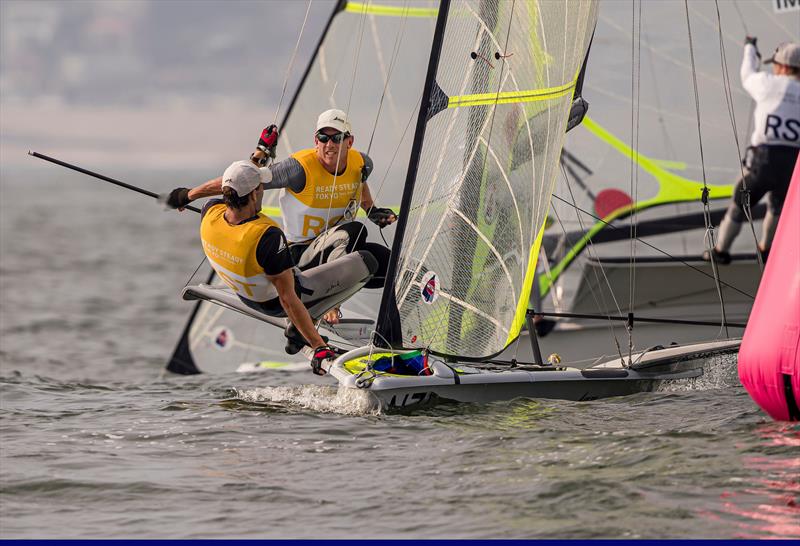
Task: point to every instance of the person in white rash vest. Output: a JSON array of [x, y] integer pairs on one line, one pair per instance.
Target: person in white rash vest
[[321, 191], [774, 145]]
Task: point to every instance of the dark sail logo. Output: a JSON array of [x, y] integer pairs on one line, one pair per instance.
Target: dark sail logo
[[429, 287]]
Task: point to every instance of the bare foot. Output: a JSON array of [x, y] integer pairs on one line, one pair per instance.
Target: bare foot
[[333, 316]]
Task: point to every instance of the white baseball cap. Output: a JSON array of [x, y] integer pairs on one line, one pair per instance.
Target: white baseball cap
[[244, 177], [787, 53], [335, 119]]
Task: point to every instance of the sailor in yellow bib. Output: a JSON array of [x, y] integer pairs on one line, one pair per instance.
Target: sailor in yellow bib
[[323, 187], [326, 199], [250, 254], [321, 191]]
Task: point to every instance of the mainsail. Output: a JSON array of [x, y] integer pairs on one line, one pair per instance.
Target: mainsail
[[478, 189], [367, 62]]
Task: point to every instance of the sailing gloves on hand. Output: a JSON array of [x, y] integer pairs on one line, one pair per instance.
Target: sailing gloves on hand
[[178, 198], [381, 217], [321, 354], [268, 140], [752, 41]]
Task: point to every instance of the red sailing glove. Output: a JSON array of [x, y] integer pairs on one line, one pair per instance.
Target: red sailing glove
[[321, 354], [268, 140]]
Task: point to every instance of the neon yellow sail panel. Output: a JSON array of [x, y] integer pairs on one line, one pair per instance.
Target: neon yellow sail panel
[[486, 172]]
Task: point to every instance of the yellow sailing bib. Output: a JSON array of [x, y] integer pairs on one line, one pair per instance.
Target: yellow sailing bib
[[231, 251], [326, 198]]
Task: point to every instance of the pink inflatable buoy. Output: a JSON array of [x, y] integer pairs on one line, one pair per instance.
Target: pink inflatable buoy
[[769, 358]]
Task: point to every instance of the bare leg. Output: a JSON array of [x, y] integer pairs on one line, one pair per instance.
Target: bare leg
[[729, 228], [768, 230]]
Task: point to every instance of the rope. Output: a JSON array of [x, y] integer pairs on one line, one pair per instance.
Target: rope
[[706, 207], [729, 102]]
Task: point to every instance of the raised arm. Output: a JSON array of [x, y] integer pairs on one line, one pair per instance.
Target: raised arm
[[180, 197], [751, 62]]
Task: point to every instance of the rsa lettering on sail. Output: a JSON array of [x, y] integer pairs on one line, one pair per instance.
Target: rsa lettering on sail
[[783, 129]]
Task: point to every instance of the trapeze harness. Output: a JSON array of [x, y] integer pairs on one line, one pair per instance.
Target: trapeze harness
[[325, 200]]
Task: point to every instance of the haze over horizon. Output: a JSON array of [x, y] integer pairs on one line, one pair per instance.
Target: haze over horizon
[[161, 84]]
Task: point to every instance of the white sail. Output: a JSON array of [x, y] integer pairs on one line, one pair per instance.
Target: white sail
[[498, 114]]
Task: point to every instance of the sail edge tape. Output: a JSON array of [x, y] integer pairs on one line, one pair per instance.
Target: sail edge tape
[[389, 11], [511, 97]]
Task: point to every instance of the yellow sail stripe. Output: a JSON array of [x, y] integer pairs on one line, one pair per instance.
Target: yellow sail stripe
[[390, 11], [508, 97], [527, 285]]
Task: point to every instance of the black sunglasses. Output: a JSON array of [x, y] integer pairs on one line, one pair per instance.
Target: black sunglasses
[[337, 138]]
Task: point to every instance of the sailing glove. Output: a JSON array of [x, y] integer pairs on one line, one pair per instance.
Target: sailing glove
[[752, 41], [321, 354], [178, 198], [268, 140], [381, 217]]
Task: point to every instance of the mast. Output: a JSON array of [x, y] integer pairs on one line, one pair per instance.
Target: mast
[[181, 361], [388, 326]]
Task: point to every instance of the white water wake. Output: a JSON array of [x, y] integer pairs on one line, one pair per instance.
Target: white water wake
[[319, 398]]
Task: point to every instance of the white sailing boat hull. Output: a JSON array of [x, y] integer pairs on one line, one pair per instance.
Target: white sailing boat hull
[[482, 383]]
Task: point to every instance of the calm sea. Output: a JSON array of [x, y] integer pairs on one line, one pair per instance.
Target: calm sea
[[96, 442]]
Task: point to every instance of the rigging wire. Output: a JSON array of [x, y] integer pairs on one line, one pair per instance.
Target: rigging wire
[[739, 13], [591, 249], [731, 113], [706, 207], [636, 60], [280, 102], [360, 33], [291, 63], [665, 253], [395, 52]]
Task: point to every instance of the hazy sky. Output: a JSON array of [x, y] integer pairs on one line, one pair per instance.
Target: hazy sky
[[156, 83], [170, 83]]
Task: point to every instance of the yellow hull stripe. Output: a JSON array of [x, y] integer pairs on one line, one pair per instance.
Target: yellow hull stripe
[[390, 11], [508, 97]]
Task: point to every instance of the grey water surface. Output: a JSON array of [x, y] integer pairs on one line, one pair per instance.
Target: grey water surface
[[95, 441]]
